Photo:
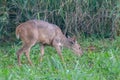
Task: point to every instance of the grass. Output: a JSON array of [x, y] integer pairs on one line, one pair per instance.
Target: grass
[[101, 64]]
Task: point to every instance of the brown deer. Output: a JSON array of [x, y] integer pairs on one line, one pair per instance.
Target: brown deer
[[38, 31]]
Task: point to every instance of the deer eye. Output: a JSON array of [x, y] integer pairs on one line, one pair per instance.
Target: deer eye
[[71, 42]]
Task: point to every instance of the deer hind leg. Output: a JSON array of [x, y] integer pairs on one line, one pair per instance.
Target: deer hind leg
[[25, 49], [27, 56], [19, 52]]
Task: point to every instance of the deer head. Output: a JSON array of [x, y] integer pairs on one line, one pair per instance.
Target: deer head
[[75, 46]]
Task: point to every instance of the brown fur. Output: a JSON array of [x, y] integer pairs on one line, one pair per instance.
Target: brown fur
[[38, 31]]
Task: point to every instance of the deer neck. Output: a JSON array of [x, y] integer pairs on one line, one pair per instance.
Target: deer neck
[[66, 42]]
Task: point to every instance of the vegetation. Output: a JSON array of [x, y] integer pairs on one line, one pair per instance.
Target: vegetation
[[99, 18], [94, 22], [101, 64]]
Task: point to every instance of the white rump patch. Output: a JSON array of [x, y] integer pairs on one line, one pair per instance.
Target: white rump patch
[[17, 36]]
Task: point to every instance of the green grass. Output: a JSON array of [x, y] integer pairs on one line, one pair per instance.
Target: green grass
[[101, 64]]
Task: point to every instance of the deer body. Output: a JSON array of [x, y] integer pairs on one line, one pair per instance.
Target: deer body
[[38, 31]]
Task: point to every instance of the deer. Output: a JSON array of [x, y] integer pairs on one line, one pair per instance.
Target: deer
[[44, 33]]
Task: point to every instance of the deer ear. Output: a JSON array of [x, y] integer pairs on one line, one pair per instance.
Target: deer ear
[[74, 39]]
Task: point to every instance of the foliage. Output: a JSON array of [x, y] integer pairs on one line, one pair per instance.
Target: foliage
[[99, 18], [101, 64]]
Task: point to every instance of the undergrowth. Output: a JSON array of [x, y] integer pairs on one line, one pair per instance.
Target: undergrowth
[[102, 63]]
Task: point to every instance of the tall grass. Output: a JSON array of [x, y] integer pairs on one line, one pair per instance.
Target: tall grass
[[99, 18], [100, 64]]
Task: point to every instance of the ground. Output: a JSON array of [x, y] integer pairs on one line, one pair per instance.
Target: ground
[[101, 63]]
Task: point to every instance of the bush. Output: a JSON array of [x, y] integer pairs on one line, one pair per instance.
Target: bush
[[99, 18]]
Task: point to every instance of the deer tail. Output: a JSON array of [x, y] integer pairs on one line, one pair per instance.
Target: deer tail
[[18, 30]]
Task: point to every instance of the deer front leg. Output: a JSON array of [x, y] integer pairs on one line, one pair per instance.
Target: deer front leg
[[58, 49], [42, 52], [57, 46]]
